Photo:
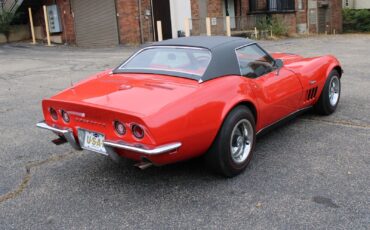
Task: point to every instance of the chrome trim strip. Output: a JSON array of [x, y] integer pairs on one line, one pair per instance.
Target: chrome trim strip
[[291, 114], [67, 133], [43, 125], [78, 114], [155, 151], [312, 82]]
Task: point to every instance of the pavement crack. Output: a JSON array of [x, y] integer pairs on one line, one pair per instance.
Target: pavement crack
[[6, 110], [340, 123], [27, 177]]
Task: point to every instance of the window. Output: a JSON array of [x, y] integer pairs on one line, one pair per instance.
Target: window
[[300, 5], [253, 61], [281, 6], [188, 61]]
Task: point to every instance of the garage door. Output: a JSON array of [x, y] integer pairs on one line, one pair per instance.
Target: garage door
[[95, 22]]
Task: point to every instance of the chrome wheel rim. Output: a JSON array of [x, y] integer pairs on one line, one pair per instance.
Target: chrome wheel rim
[[334, 90], [241, 141]]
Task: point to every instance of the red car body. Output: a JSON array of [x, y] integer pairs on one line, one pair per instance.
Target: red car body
[[173, 110]]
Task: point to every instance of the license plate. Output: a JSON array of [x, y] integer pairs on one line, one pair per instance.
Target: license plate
[[92, 141]]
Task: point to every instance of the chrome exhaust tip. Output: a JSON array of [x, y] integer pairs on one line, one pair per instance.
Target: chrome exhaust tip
[[143, 165]]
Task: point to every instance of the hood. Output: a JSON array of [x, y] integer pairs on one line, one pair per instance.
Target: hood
[[136, 94], [286, 57]]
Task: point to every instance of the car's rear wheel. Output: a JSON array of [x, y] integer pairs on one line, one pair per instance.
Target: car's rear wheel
[[330, 95], [233, 147]]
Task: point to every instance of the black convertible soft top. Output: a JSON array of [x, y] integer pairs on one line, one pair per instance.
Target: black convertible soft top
[[224, 61]]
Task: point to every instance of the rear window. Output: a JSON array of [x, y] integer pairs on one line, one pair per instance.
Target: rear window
[[186, 60]]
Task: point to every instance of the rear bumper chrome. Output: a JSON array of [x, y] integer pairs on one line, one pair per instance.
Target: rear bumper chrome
[[66, 133], [109, 145], [143, 149]]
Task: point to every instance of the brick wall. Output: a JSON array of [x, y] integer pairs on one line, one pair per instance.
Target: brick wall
[[336, 15], [129, 27], [215, 8], [194, 8], [128, 21], [68, 33]]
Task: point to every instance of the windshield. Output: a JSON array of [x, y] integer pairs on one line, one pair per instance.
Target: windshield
[[181, 60]]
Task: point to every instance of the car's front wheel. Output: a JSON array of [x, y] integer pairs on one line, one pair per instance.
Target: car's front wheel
[[330, 95], [232, 149]]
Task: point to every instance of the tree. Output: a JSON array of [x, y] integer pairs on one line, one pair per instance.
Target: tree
[[6, 18]]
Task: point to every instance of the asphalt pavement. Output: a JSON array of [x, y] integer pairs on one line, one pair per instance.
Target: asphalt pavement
[[312, 173]]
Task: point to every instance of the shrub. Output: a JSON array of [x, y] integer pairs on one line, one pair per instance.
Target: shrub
[[275, 24], [356, 20], [279, 28]]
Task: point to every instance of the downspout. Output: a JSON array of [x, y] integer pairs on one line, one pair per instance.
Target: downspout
[[308, 18], [153, 25], [240, 8], [140, 22]]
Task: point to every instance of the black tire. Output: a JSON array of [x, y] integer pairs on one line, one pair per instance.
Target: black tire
[[219, 157], [324, 105]]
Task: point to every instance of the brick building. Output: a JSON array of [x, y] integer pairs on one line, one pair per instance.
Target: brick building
[[113, 22], [319, 16]]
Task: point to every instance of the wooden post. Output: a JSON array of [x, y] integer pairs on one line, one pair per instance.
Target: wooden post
[[255, 32], [31, 25], [187, 27], [271, 31], [208, 26], [228, 27], [334, 32], [47, 26], [159, 31]]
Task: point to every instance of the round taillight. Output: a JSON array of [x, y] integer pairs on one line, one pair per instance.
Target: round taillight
[[137, 131], [119, 127], [53, 113], [65, 116]]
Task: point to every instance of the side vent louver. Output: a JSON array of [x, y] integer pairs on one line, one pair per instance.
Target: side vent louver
[[311, 93]]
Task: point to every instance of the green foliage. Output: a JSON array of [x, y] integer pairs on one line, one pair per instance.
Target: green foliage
[[6, 18], [264, 24], [356, 20], [279, 28], [275, 24]]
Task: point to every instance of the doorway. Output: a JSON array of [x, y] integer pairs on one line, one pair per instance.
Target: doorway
[[229, 10], [321, 19], [162, 12]]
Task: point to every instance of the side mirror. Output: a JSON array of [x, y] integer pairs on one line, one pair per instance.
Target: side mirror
[[278, 63]]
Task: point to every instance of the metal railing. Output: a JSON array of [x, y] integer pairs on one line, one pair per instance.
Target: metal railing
[[240, 26]]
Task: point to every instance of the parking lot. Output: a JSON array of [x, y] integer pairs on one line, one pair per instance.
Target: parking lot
[[312, 173]]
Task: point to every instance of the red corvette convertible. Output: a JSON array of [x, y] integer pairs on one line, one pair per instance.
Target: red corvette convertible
[[182, 98]]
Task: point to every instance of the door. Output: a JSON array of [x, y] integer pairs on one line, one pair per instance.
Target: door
[[278, 91], [161, 12], [279, 94], [95, 23], [321, 18], [229, 10]]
